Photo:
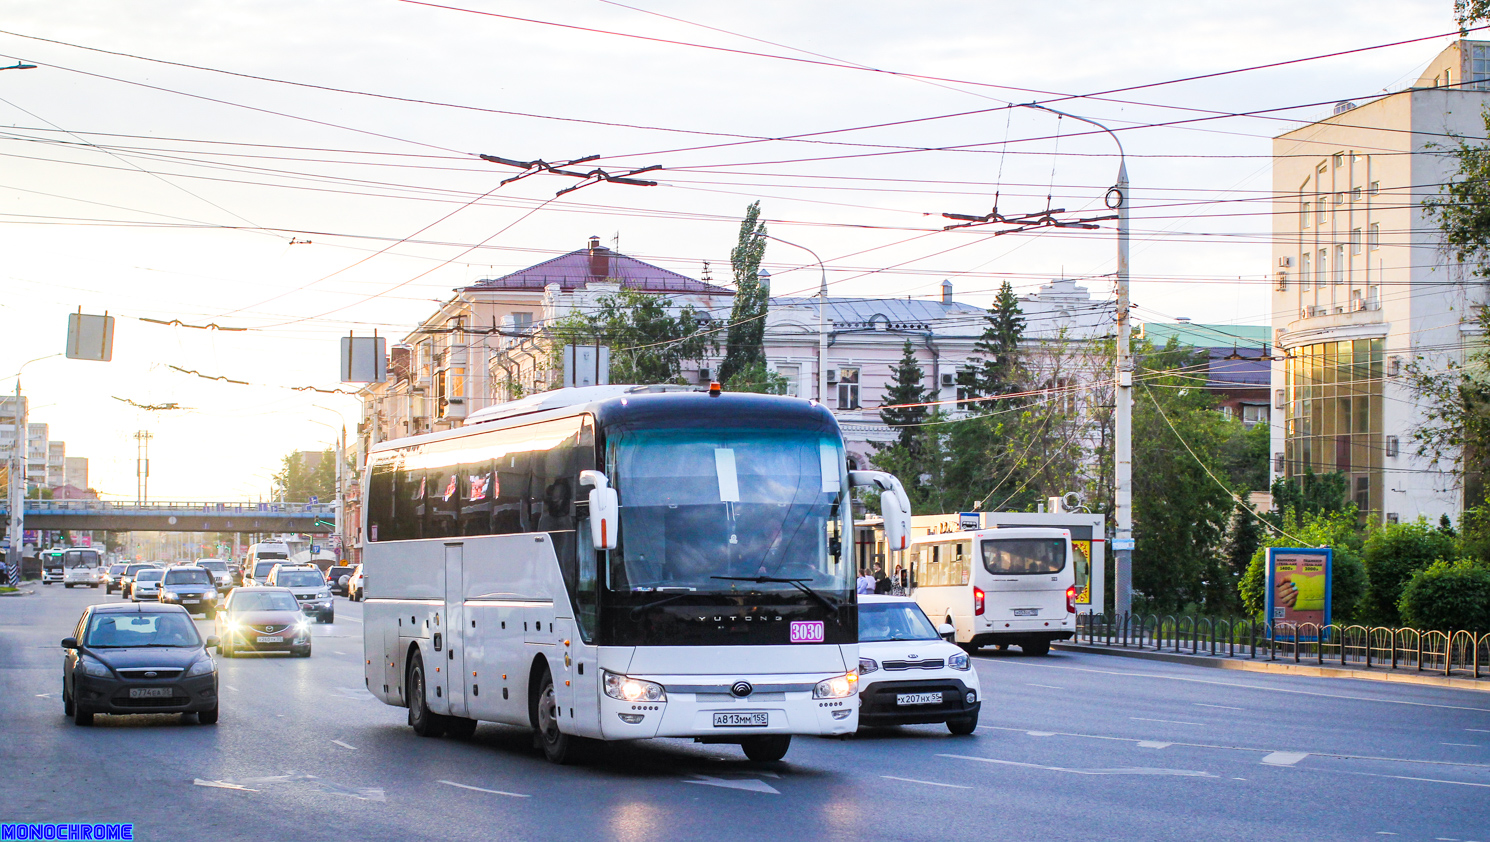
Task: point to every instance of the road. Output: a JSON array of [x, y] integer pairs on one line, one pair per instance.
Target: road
[[1071, 746]]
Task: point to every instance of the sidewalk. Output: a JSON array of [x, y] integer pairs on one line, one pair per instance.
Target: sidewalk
[[1262, 664]]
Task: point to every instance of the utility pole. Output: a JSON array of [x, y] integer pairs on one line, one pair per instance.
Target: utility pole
[[142, 466], [16, 556], [822, 320]]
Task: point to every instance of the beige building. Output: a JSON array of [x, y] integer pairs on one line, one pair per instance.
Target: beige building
[[1363, 286]]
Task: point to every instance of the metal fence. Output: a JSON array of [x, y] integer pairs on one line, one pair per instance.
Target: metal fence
[[1443, 653]]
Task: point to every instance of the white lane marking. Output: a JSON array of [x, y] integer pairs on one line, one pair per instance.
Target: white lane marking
[[749, 785], [483, 789], [1136, 770], [1011, 662], [43, 695], [1041, 733], [1334, 754], [928, 783], [1284, 758], [337, 653], [344, 745], [1165, 721], [1153, 744], [221, 785], [1478, 730], [1219, 707], [1385, 833], [1046, 686], [1446, 839], [231, 687], [1460, 745]]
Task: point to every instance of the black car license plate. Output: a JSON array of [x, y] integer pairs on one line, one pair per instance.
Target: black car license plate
[[742, 720], [150, 692]]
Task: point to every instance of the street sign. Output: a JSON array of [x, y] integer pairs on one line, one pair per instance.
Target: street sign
[[314, 499], [364, 359], [586, 365], [90, 337], [315, 549]]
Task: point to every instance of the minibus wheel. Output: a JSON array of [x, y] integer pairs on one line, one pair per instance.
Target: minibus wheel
[[1036, 647]]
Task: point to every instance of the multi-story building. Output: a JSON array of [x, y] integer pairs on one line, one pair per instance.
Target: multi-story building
[[1364, 287], [37, 453], [56, 464], [75, 472]]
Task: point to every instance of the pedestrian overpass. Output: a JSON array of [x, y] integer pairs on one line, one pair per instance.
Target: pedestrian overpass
[[175, 516]]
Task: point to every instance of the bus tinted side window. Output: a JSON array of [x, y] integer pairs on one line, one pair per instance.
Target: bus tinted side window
[[444, 495], [380, 525], [408, 504], [477, 485]]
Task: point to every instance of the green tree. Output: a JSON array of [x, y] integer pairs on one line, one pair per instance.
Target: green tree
[[1448, 596], [1239, 544], [1244, 456], [744, 347], [648, 342], [1310, 493], [906, 387], [998, 368], [1467, 12], [1393, 553], [303, 475], [1335, 529]]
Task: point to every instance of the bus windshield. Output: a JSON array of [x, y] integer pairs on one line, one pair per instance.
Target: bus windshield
[[1024, 556], [81, 558], [698, 505]]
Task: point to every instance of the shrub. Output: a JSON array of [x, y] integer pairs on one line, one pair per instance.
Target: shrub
[[1392, 554], [1448, 596]]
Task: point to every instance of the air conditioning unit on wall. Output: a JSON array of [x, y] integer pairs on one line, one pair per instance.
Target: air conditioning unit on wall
[[949, 380], [832, 375]]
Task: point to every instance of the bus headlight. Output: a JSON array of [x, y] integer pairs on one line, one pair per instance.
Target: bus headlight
[[628, 689], [959, 661], [837, 687]]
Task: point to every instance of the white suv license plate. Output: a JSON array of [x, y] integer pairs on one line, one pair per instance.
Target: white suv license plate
[[743, 720], [150, 692], [918, 698], [1026, 612]]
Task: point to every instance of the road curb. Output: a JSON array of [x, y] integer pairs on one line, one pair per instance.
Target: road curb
[[1282, 667]]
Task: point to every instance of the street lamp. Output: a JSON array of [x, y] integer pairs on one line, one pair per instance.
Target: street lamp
[[15, 556], [1122, 433], [822, 320]]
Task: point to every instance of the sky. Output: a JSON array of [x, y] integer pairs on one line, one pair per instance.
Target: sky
[[305, 170]]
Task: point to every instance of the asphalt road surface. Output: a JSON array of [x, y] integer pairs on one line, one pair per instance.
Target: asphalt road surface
[[1071, 746]]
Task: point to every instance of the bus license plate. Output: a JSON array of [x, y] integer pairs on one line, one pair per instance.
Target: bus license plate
[[1026, 612], [150, 692], [745, 720], [918, 698], [270, 638]]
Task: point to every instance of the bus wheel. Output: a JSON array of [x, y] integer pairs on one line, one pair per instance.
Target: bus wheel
[[1036, 647], [558, 747], [425, 722], [766, 748]]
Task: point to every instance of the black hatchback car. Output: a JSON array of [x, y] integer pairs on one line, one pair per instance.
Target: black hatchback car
[[126, 658], [191, 587]]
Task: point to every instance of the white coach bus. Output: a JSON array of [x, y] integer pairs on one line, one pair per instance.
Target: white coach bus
[[619, 563]]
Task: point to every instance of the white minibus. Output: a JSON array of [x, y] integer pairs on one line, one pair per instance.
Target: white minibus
[[998, 586], [620, 563]]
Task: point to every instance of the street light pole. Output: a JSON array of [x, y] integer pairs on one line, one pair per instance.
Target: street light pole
[[822, 320], [1122, 433]]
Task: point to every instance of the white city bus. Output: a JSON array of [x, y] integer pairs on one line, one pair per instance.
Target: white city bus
[[1014, 585], [620, 563]]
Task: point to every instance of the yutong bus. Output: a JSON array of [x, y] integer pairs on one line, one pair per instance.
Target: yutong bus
[[619, 563]]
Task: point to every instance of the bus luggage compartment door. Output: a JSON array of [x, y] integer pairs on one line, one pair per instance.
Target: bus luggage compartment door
[[452, 660]]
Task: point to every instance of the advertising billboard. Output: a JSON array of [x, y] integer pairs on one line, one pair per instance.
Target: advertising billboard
[[1298, 587]]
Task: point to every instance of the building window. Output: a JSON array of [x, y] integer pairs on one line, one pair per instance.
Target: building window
[[1254, 414], [791, 373], [522, 322], [1479, 69], [848, 388], [1355, 241], [1339, 264], [1319, 270], [1339, 159], [1304, 276], [1373, 235], [1304, 215], [1333, 420], [1375, 187], [1355, 194], [1321, 209], [1340, 198]]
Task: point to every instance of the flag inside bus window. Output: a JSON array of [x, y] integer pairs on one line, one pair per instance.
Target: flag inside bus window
[[479, 486], [450, 487]]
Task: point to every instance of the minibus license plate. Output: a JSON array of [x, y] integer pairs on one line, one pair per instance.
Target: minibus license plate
[[918, 698], [745, 720], [1026, 612], [150, 692], [270, 638]]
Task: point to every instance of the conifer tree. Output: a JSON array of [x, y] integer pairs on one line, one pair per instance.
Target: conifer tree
[[745, 343], [906, 388]]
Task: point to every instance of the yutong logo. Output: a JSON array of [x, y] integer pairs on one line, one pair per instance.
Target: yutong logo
[[745, 617], [741, 689]]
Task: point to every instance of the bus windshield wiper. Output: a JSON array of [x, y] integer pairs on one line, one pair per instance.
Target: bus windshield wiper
[[637, 611], [799, 584]]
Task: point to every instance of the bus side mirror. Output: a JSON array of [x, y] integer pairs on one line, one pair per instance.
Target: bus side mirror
[[895, 506], [605, 509]]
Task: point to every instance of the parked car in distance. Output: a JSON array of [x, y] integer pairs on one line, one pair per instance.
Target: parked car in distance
[[112, 576], [220, 573], [132, 659], [908, 673], [146, 585], [309, 587], [340, 576], [193, 588], [262, 619], [356, 585]]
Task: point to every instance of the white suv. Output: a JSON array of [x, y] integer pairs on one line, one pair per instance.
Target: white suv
[[908, 673], [308, 585]]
